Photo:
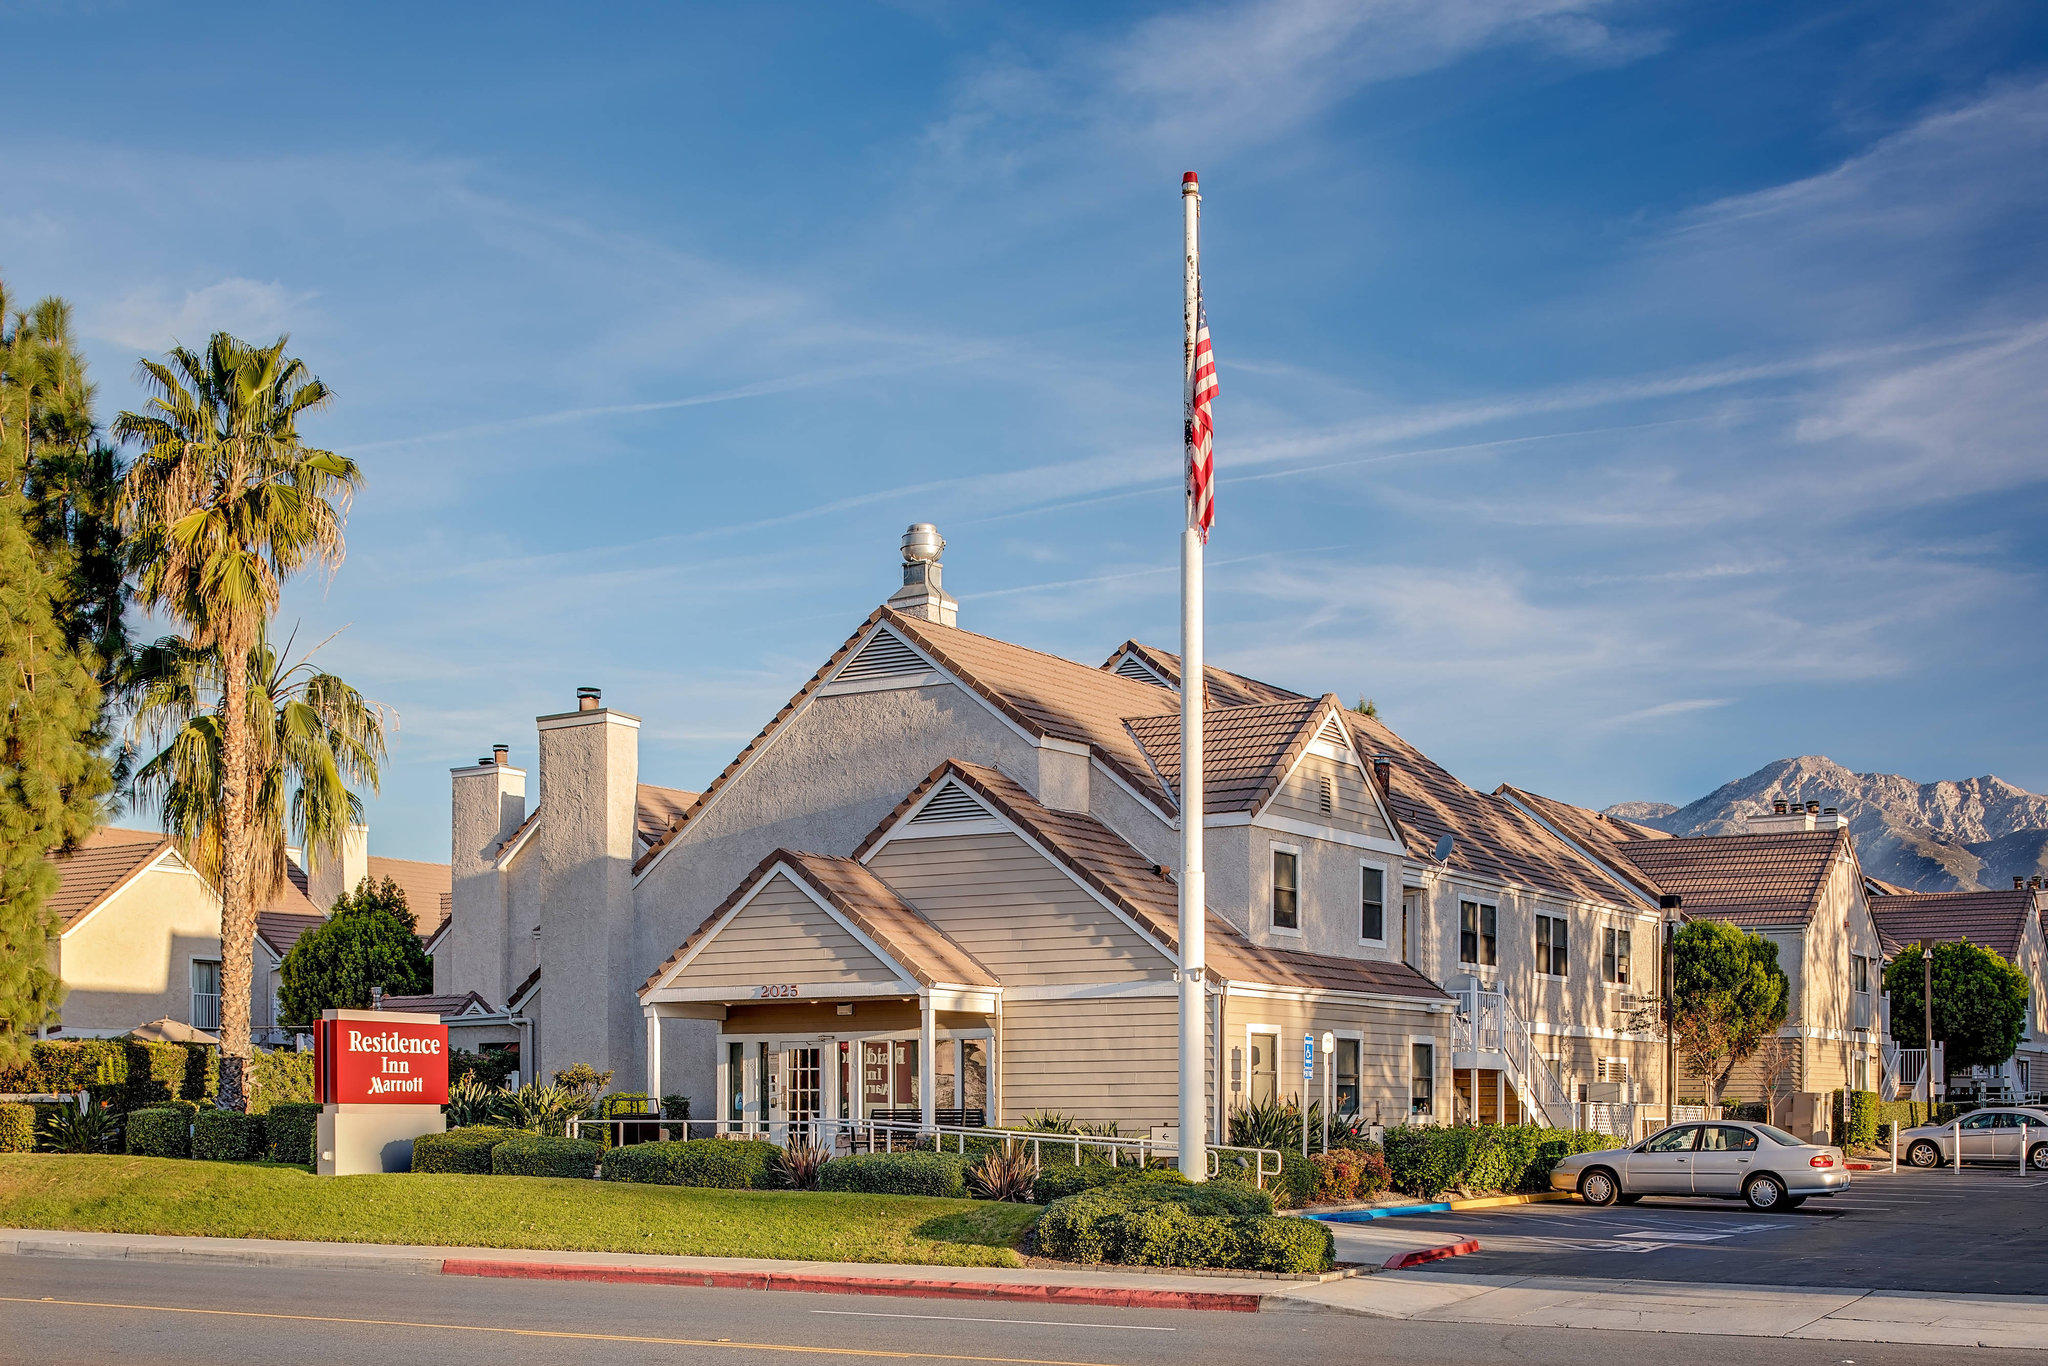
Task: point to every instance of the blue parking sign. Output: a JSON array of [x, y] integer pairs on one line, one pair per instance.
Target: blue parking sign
[[1308, 1057]]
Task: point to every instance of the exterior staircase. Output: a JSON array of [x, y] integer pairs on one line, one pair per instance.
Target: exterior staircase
[[1493, 1036]]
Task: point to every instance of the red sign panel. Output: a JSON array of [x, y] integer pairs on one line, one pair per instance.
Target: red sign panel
[[360, 1058]]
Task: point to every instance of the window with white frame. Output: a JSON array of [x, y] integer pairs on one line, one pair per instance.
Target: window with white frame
[[1477, 944], [1550, 945], [206, 993], [1265, 1068], [1421, 1080], [1614, 955], [1372, 903], [1286, 889]]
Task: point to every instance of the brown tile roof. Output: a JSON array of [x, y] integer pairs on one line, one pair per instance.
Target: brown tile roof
[[514, 838], [1095, 854], [291, 898], [282, 929], [427, 888], [928, 953], [1747, 880], [1246, 751], [104, 862], [1996, 920], [1604, 837], [1226, 689], [1492, 837], [435, 1005], [526, 986], [657, 809]]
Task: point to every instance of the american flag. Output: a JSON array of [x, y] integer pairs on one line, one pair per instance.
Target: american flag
[[1202, 430]]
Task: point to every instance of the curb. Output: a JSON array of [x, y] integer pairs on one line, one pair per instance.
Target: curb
[[1120, 1297], [1402, 1260], [1364, 1216]]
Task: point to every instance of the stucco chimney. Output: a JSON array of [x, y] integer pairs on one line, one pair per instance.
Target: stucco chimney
[[1785, 818], [922, 594], [337, 872], [487, 804]]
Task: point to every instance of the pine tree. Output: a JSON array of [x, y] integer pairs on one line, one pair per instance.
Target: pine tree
[[53, 773]]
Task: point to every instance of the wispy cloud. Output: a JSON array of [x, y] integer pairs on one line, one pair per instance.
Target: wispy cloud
[[154, 317]]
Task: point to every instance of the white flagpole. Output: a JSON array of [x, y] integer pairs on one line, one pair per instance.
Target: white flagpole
[[1194, 1156]]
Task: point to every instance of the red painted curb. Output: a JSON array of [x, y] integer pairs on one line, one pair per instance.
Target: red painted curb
[[1859, 1166], [1431, 1254], [1120, 1297]]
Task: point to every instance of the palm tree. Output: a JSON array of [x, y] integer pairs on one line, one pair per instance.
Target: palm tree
[[315, 741], [223, 503]]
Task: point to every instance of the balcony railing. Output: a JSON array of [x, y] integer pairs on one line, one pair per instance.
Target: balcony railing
[[206, 1010]]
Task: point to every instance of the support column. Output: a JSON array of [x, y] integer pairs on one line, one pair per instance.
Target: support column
[[927, 1062], [653, 1057]]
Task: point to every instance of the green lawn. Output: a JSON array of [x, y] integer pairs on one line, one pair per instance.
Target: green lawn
[[237, 1200]]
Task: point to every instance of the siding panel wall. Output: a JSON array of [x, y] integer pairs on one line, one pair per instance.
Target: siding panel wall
[[783, 936]]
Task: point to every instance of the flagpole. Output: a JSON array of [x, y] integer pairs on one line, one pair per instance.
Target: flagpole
[[1194, 1157]]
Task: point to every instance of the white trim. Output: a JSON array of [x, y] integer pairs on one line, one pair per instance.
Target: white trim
[[1273, 926], [1435, 1067], [899, 682], [944, 829], [479, 770], [1268, 991], [519, 839], [805, 992], [1477, 969], [1351, 755], [1536, 923], [1164, 986], [1117, 661], [168, 852], [1384, 872], [1275, 1033], [1557, 1031], [1606, 868], [1287, 825], [564, 720]]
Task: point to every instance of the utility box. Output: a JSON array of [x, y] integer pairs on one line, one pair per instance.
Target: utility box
[[1809, 1117]]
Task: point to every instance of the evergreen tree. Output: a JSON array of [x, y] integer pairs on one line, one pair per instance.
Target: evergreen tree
[[53, 773], [370, 940], [1731, 997], [1980, 1003]]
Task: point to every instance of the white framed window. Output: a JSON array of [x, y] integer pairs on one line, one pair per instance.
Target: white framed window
[[1551, 956], [1372, 904], [1421, 1078], [1262, 1074], [1286, 900], [206, 993], [1615, 949], [1478, 940], [1348, 1075]]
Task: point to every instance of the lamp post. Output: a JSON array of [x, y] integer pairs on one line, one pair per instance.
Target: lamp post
[[1669, 904]]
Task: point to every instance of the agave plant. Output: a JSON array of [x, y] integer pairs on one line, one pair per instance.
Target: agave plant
[[90, 1130], [541, 1108], [1005, 1173], [1275, 1124], [1052, 1122], [801, 1162], [471, 1100]]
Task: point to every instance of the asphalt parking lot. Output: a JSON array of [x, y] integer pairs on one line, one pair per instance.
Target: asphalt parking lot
[[1981, 1231]]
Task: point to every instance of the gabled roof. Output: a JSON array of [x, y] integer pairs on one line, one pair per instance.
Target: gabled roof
[[427, 888], [1491, 836], [657, 809], [1246, 751], [1605, 838], [282, 929], [104, 862], [1748, 880], [922, 949], [519, 994], [1996, 920], [447, 1007], [1145, 892], [1226, 689]]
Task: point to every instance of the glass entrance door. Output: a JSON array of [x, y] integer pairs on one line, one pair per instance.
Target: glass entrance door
[[803, 1090]]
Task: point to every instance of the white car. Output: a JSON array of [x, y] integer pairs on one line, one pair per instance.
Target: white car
[[1992, 1134], [1723, 1159]]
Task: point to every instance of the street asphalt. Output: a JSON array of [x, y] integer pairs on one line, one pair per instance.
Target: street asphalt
[[59, 1312], [1982, 1231]]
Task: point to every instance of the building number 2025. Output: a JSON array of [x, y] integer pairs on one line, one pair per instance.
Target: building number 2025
[[772, 992]]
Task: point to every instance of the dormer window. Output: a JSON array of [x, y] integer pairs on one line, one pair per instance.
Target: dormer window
[[1287, 890]]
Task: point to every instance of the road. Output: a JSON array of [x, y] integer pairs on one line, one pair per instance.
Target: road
[[1980, 1231], [58, 1312]]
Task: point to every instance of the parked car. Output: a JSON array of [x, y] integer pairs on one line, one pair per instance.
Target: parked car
[[1722, 1159], [1989, 1135]]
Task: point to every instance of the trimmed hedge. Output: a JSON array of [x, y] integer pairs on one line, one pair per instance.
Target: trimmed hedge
[[159, 1131], [941, 1174], [1219, 1224], [227, 1136], [280, 1078], [459, 1150], [292, 1127], [1057, 1183], [716, 1163], [17, 1128], [1427, 1160], [1855, 1118], [541, 1155]]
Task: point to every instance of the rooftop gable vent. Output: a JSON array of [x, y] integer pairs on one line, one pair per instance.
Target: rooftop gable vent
[[951, 802], [884, 656], [1333, 733], [1130, 666]]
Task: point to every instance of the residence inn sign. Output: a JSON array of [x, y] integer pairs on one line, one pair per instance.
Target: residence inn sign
[[381, 1078]]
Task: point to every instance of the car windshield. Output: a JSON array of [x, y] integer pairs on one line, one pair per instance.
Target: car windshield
[[1780, 1137]]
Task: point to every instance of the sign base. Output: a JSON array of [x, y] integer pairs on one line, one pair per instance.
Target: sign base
[[355, 1139]]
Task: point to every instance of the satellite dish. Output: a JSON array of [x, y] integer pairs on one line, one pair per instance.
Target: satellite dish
[[1444, 844]]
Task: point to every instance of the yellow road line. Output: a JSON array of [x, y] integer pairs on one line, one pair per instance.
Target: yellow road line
[[554, 1333]]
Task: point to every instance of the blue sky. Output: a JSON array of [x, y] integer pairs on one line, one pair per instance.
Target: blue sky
[[1622, 394]]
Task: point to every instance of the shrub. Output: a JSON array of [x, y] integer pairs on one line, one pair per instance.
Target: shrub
[[1428, 1160], [94, 1129], [1337, 1174], [1005, 1173], [675, 1107], [227, 1136], [943, 1174], [282, 1078], [1291, 1246], [540, 1155], [1856, 1118], [718, 1163], [1372, 1175], [1158, 1224], [458, 1150], [1297, 1183], [1056, 1183], [799, 1164], [159, 1131], [473, 1101], [17, 1128], [62, 1066], [540, 1109], [290, 1129], [493, 1068]]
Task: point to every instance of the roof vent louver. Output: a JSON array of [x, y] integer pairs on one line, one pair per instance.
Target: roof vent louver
[[884, 656], [1332, 733], [1329, 795], [951, 802], [1131, 667]]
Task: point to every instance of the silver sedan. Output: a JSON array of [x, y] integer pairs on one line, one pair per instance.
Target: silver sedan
[[1988, 1135], [1723, 1159]]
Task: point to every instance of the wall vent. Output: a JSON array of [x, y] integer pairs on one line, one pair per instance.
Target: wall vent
[[884, 656], [1130, 666], [951, 802], [1329, 795]]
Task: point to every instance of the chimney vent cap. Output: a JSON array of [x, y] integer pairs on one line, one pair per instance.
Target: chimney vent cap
[[589, 699], [1777, 808], [501, 755], [1813, 806], [922, 543]]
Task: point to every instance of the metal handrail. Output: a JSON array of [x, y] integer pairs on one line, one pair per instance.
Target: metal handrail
[[1494, 1027], [884, 1135]]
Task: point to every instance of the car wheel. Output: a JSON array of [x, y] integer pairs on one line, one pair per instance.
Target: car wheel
[[1626, 1199], [2037, 1157], [1924, 1154], [1598, 1187], [1764, 1193]]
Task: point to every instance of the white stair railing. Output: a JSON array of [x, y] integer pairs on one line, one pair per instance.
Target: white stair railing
[[1492, 1025]]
